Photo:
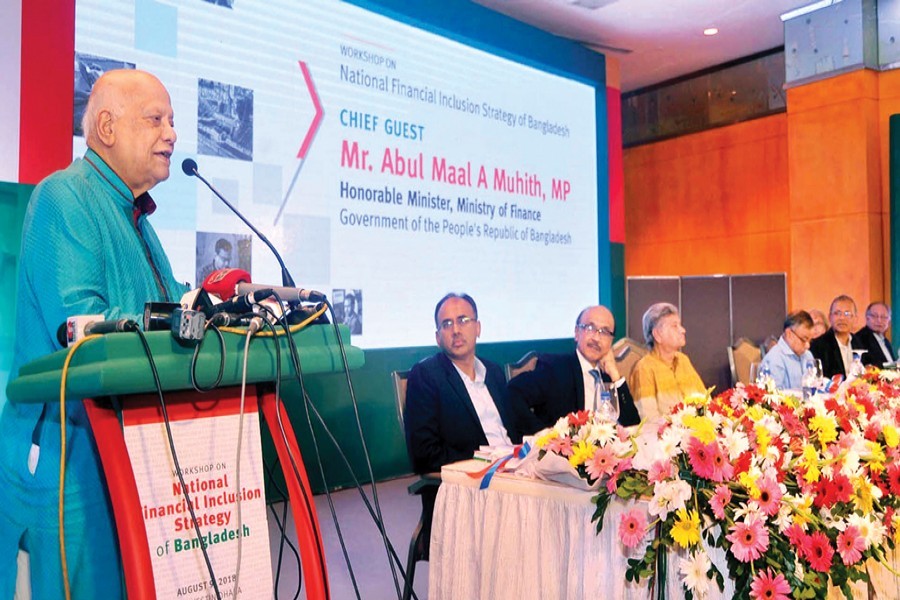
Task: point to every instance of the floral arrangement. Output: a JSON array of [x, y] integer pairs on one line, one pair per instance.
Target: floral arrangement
[[797, 494]]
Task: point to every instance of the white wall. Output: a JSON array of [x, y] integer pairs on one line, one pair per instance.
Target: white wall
[[10, 83]]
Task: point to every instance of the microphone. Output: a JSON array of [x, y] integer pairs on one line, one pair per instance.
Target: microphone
[[189, 166], [76, 327], [287, 294], [110, 326], [241, 304]]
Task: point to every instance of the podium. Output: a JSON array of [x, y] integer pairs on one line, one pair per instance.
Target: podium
[[113, 370]]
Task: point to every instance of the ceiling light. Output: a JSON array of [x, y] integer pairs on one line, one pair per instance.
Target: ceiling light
[[799, 12], [710, 31]]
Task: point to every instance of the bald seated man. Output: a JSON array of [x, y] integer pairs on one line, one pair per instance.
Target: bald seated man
[[563, 383], [87, 248]]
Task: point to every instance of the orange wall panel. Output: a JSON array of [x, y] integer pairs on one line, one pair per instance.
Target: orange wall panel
[[836, 173], [712, 202]]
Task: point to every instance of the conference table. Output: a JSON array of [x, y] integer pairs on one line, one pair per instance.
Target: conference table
[[525, 539]]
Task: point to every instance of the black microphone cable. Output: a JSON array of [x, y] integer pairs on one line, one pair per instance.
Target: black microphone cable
[[184, 490], [306, 493], [377, 518], [308, 404], [210, 324], [362, 437], [282, 525]]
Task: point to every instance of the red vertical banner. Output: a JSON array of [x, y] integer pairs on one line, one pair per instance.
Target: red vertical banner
[[47, 89], [616, 166]]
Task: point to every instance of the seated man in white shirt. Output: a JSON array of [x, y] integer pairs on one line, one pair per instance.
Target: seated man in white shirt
[[455, 401], [787, 360]]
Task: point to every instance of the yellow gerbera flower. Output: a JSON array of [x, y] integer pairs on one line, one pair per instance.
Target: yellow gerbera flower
[[862, 496], [762, 439], [749, 481], [545, 439], [811, 460], [686, 530], [702, 428], [825, 427], [891, 437], [581, 452], [876, 457], [695, 399]]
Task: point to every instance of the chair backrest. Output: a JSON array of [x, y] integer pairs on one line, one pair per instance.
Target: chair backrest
[[628, 352], [740, 356], [527, 363], [400, 379], [767, 344]]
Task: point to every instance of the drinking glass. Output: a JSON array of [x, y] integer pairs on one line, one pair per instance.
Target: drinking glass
[[754, 372]]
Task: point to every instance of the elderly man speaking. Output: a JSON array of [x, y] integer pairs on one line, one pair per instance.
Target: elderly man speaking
[[87, 248]]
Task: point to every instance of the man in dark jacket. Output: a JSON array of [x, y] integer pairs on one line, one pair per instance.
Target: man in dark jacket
[[565, 383], [455, 401], [872, 337], [835, 347]]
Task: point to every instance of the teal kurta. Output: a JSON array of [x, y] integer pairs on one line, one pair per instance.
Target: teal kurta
[[82, 253]]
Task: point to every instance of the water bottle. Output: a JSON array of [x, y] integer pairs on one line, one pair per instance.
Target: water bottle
[[857, 369], [809, 381], [608, 403], [764, 376]]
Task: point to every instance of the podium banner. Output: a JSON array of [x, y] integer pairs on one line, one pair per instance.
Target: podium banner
[[229, 512]]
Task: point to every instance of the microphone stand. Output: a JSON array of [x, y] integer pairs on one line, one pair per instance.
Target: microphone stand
[[190, 168]]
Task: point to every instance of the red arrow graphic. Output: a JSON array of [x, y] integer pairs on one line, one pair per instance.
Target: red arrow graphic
[[317, 120]]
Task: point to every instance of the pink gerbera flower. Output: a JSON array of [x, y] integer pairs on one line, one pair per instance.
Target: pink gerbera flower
[[795, 535], [632, 527], [602, 463], [723, 470], [660, 471], [818, 551], [768, 586], [562, 446], [749, 539], [769, 495], [850, 545], [701, 458], [720, 500]]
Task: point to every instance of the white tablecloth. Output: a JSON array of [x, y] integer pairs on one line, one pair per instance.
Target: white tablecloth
[[533, 540], [523, 539]]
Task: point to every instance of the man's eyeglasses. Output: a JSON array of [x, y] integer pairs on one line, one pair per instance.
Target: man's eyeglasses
[[842, 313], [803, 340], [447, 324], [878, 317], [591, 329]]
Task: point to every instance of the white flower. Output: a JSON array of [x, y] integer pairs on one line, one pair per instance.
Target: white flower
[[600, 433], [872, 530], [649, 448], [670, 443], [749, 512], [562, 427], [693, 573], [669, 496], [735, 442], [784, 518]]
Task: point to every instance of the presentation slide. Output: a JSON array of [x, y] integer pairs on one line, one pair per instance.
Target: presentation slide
[[388, 164]]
